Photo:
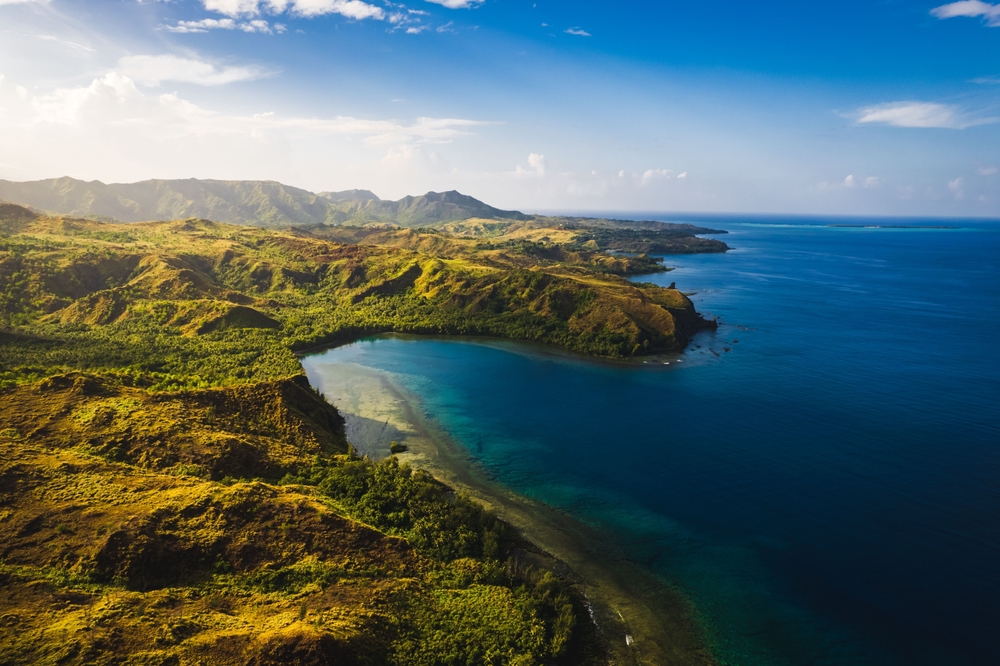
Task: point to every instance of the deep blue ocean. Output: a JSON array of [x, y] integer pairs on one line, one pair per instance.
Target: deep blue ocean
[[821, 475]]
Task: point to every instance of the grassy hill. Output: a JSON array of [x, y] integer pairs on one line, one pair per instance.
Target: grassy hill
[[173, 491], [273, 205], [166, 298], [233, 526]]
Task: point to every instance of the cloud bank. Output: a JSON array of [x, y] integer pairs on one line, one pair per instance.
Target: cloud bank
[[114, 129]]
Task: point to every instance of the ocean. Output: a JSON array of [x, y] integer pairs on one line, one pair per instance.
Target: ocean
[[820, 476]]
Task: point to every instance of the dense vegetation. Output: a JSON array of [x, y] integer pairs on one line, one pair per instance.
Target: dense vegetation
[[194, 303], [172, 491], [234, 526]]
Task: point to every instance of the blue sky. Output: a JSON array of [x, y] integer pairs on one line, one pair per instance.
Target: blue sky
[[880, 107]]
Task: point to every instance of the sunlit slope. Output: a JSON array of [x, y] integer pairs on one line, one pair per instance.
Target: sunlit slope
[[141, 527], [173, 491], [273, 205], [198, 303]]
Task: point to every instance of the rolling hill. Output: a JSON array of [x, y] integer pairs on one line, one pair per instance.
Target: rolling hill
[[173, 491], [249, 202]]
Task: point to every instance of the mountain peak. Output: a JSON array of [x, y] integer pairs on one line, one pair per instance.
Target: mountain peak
[[254, 202], [349, 195]]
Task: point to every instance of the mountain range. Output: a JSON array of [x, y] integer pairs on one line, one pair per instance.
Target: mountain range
[[252, 202]]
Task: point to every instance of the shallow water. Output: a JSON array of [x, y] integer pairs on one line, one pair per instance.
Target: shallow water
[[827, 491]]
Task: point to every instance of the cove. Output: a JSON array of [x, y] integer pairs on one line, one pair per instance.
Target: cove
[[821, 476]]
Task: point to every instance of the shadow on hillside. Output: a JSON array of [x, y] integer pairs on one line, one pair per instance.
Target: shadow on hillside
[[371, 437]]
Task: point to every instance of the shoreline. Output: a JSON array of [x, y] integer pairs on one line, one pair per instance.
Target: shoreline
[[528, 347], [643, 619]]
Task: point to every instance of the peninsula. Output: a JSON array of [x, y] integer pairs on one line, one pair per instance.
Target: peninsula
[[173, 490]]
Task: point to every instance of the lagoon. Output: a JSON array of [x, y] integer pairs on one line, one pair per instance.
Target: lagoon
[[820, 476]]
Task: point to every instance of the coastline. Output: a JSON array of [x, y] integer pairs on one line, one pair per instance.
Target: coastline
[[545, 350], [643, 619]]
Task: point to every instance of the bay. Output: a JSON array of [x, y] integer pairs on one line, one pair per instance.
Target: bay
[[820, 476]]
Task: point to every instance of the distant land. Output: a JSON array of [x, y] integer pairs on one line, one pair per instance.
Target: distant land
[[271, 204], [892, 226], [253, 202]]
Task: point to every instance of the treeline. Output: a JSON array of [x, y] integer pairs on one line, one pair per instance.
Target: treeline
[[459, 619]]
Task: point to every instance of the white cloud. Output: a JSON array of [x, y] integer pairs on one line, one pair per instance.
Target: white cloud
[[987, 80], [851, 182], [149, 70], [957, 188], [988, 171], [113, 117], [408, 156], [537, 162], [457, 4], [651, 175], [536, 167], [970, 9], [240, 7], [580, 32], [447, 27], [204, 25], [416, 29], [67, 106], [355, 9], [682, 175], [919, 114]]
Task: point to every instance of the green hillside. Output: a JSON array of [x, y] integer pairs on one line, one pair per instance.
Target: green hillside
[[173, 491], [273, 205]]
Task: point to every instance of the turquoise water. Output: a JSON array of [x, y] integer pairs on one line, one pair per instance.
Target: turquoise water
[[827, 491]]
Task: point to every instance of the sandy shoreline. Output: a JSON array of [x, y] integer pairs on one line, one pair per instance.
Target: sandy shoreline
[[643, 620]]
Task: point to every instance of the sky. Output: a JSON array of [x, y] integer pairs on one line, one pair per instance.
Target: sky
[[878, 107]]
